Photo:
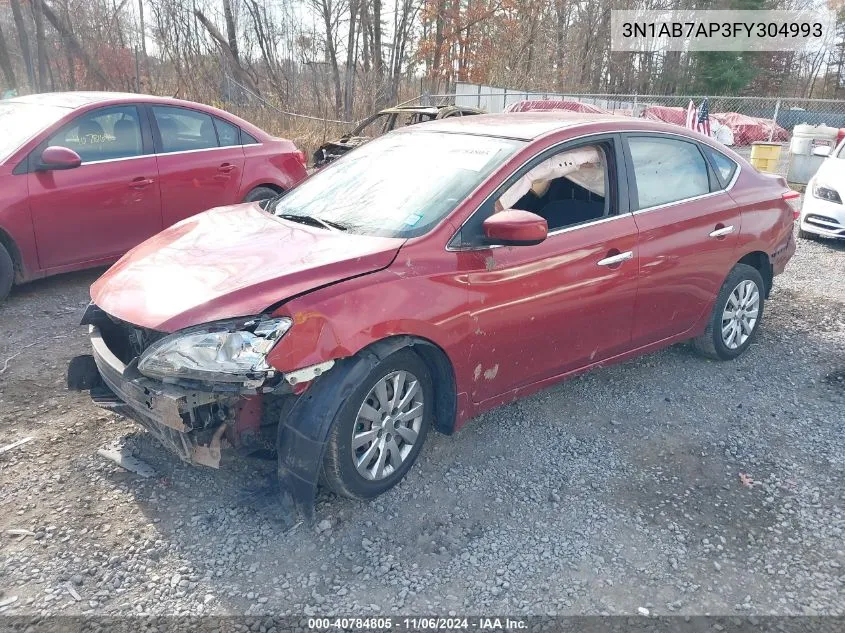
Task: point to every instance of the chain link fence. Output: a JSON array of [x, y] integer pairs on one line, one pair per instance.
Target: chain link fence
[[747, 119]]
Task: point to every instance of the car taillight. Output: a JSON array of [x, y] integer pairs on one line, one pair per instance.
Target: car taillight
[[793, 198]]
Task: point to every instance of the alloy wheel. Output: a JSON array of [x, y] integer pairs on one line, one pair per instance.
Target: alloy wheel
[[387, 425], [739, 317]]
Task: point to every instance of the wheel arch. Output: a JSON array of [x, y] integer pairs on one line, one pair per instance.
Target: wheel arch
[[270, 185], [14, 252], [763, 264], [440, 367], [303, 432]]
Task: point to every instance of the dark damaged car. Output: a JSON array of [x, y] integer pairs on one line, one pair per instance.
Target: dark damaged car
[[341, 322], [383, 122]]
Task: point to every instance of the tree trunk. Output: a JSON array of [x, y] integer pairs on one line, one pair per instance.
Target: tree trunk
[[349, 88], [145, 69], [378, 57], [75, 48], [40, 46], [561, 29], [366, 32], [326, 10], [439, 36], [242, 76], [6, 64], [231, 31], [23, 40]]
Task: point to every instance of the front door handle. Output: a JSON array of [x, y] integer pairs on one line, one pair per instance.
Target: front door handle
[[140, 183], [616, 259], [722, 232], [226, 168]]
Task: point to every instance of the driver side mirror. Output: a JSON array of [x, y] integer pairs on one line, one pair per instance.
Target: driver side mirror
[[513, 227], [57, 157]]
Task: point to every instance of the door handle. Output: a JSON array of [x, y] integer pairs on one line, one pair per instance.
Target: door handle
[[722, 232], [616, 259], [140, 183], [226, 168]]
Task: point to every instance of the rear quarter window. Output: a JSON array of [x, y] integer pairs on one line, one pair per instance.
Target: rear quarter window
[[724, 167]]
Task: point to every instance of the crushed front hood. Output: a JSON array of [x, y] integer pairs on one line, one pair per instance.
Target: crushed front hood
[[231, 262]]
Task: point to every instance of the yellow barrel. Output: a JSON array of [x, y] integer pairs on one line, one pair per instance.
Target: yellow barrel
[[765, 156]]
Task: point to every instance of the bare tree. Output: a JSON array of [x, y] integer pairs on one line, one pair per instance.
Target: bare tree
[[225, 45], [23, 40], [75, 48], [6, 64], [329, 12], [40, 44], [349, 70]]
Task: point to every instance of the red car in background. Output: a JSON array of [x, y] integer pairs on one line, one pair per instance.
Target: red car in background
[[84, 176], [341, 322]]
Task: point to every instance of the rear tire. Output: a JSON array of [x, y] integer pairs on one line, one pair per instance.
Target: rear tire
[[736, 316], [7, 272], [261, 193], [344, 462]]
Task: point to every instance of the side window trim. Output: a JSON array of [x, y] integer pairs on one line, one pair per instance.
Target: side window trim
[[621, 185], [632, 180]]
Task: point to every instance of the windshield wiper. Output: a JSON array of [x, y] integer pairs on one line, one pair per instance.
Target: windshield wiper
[[307, 219]]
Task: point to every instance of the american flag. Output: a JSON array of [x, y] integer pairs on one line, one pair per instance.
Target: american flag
[[699, 120]]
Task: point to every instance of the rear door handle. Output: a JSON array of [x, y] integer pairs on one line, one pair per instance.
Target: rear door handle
[[140, 183], [616, 259], [722, 232], [226, 168]]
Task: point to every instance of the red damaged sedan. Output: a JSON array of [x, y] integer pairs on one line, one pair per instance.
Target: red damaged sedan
[[86, 176], [430, 275]]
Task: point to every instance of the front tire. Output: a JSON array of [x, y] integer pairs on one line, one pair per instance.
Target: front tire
[[380, 429], [7, 272], [736, 315], [261, 193]]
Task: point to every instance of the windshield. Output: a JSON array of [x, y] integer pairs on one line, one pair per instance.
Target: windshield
[[21, 121], [400, 185]]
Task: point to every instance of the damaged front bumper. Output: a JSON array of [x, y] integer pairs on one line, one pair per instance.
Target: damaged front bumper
[[198, 420], [190, 423]]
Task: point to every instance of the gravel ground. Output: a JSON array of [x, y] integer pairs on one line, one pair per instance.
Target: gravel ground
[[669, 483]]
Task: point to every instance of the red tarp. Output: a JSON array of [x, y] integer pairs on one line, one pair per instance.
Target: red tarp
[[748, 129], [676, 116], [745, 129], [540, 105]]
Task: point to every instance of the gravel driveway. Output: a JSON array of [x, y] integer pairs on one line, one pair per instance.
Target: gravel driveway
[[668, 483]]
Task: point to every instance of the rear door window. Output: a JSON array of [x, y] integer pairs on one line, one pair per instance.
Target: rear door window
[[182, 129], [667, 170]]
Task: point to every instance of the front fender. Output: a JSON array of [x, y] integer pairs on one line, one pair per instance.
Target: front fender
[[340, 320], [304, 431]]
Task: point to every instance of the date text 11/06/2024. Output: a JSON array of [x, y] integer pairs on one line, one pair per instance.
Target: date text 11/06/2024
[[427, 623]]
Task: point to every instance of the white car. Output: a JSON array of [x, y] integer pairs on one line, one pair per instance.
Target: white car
[[823, 211]]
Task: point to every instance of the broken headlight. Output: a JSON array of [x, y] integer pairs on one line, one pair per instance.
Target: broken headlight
[[233, 351]]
